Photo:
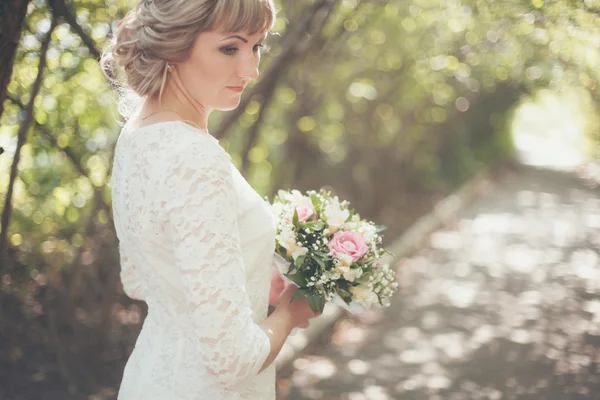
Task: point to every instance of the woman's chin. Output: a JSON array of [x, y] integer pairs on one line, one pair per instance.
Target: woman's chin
[[229, 104]]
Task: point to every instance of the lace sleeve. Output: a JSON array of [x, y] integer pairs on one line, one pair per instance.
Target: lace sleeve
[[202, 215], [130, 278]]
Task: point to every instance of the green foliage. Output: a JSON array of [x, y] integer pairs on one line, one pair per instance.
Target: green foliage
[[316, 302], [299, 293], [388, 102]]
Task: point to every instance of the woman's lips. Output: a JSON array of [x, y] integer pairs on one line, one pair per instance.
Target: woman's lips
[[237, 89]]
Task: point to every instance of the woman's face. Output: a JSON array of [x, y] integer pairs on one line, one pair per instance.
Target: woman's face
[[219, 67]]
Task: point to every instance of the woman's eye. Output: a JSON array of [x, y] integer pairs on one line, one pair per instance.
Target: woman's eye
[[229, 50]]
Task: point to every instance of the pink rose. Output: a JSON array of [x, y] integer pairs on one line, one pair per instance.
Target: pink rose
[[304, 213], [348, 243]]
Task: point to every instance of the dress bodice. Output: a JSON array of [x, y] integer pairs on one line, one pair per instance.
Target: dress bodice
[[196, 244]]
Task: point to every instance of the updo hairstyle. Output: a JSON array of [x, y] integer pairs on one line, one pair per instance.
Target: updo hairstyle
[[157, 32]]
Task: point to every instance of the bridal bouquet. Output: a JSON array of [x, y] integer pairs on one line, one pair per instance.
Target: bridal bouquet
[[330, 253]]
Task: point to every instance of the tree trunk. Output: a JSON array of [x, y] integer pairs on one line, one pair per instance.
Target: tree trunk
[[12, 16], [21, 139]]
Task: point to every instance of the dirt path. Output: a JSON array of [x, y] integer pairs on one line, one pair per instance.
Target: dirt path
[[505, 304]]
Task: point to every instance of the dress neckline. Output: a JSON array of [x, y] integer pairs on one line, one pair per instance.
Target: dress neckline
[[156, 124]]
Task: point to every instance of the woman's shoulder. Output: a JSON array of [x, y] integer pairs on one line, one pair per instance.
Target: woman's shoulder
[[177, 139], [171, 130]]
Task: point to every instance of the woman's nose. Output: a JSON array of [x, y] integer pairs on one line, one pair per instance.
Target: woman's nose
[[248, 69]]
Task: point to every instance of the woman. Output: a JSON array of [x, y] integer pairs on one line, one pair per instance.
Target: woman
[[196, 241]]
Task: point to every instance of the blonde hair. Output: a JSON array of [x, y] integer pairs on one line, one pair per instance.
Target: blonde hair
[[157, 32]]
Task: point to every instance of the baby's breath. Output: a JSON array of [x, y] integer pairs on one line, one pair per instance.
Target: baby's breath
[[319, 266]]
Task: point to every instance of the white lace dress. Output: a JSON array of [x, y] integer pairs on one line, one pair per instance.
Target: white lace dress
[[196, 244]]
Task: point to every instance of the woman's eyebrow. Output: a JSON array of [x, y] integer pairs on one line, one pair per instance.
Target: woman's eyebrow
[[236, 37]]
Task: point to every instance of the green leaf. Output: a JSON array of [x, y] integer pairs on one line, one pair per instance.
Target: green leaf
[[299, 293], [282, 251], [384, 251], [320, 262], [380, 228], [314, 225], [364, 278], [318, 225], [343, 285], [321, 303], [316, 202], [295, 220], [352, 212], [299, 260], [316, 302], [298, 279]]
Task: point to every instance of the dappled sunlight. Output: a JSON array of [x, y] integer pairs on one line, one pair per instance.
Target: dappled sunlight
[[502, 304], [550, 129], [392, 105]]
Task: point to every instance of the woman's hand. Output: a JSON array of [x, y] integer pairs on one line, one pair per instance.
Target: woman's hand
[[298, 311], [277, 286], [284, 319]]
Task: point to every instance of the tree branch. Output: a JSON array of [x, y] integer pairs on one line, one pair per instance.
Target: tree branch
[[21, 138], [12, 15], [287, 57], [254, 130], [61, 10], [67, 150]]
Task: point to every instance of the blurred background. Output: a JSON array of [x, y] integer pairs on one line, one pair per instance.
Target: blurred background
[[392, 104]]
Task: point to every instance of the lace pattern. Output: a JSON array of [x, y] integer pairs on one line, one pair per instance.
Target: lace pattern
[[195, 246]]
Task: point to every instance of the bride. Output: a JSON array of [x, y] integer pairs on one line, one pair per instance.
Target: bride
[[196, 241]]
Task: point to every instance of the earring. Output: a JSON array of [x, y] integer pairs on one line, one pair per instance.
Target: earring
[[170, 68]]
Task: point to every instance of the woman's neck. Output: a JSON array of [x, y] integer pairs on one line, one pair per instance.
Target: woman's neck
[[179, 101]]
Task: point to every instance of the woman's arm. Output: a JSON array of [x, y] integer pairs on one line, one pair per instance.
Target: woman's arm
[[202, 217], [286, 317], [201, 213]]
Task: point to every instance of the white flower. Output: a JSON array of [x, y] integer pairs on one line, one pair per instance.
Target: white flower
[[335, 215], [286, 236], [294, 250], [285, 195], [365, 229], [354, 307], [298, 251], [352, 274], [344, 260], [295, 197], [335, 275], [287, 240], [364, 295]]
